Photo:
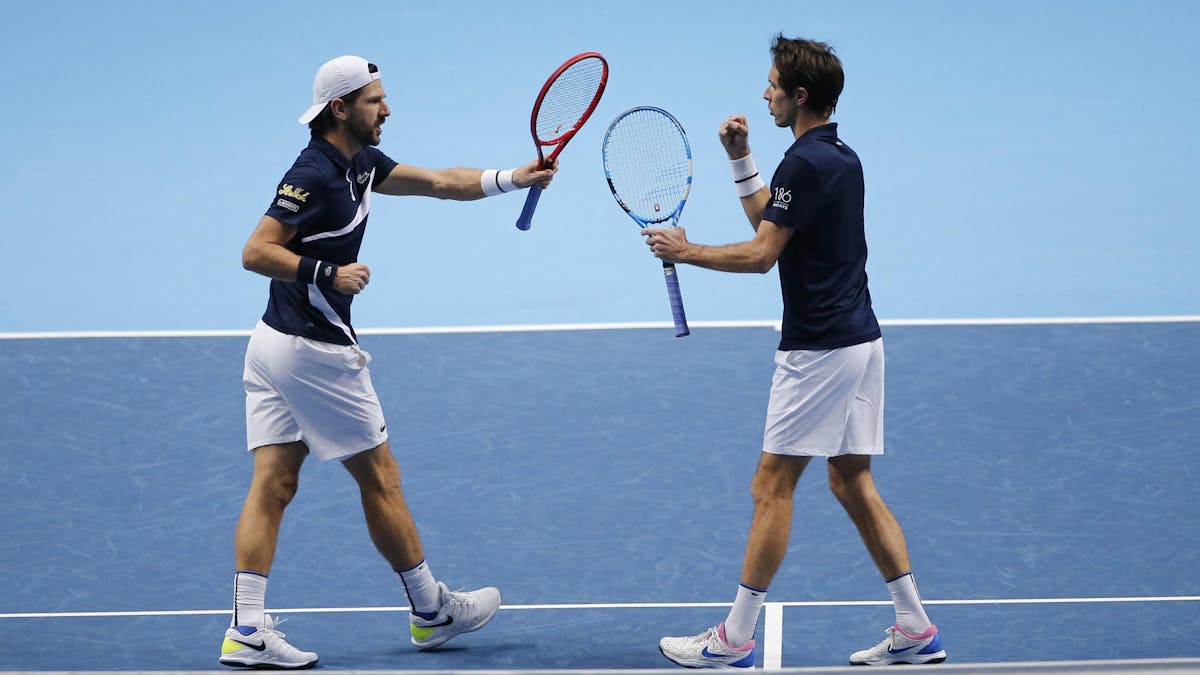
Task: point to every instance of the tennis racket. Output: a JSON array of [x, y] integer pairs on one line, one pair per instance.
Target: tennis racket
[[564, 104], [648, 164]]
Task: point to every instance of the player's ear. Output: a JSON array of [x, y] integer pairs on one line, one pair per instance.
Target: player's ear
[[800, 95], [338, 108]]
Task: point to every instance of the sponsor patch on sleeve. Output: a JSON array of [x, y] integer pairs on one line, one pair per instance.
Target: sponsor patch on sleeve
[[291, 197], [783, 197]]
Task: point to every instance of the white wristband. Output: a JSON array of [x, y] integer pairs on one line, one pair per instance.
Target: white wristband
[[749, 186], [504, 178], [496, 182], [745, 176], [743, 168]]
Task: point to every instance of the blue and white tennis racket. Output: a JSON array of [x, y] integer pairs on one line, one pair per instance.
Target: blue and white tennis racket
[[648, 164]]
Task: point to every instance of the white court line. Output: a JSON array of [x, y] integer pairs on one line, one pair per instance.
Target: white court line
[[418, 330], [1169, 666], [1041, 321], [610, 605], [772, 635], [551, 327]]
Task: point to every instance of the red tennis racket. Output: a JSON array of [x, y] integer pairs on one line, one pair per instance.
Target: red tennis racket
[[564, 104]]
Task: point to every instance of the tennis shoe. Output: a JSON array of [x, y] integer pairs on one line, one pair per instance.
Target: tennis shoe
[[263, 647], [900, 647], [709, 649], [461, 612]]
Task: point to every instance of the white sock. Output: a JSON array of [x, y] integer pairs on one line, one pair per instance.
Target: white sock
[[424, 596], [743, 616], [249, 593], [910, 613]]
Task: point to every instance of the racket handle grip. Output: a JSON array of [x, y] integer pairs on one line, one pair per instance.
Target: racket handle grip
[[525, 220], [681, 327]]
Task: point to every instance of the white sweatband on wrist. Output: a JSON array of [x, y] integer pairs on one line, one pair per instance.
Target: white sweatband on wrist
[[504, 178], [496, 182], [745, 176]]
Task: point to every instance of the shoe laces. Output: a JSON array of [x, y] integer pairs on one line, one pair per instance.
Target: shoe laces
[[270, 628], [886, 644], [270, 625], [461, 598]]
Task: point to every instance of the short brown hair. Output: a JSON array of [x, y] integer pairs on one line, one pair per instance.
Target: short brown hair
[[812, 65]]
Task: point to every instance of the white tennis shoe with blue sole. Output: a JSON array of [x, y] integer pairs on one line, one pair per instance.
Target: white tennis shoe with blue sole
[[900, 647], [709, 649]]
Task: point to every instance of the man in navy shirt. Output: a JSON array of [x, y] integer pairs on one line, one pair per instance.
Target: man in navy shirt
[[308, 388], [827, 392]]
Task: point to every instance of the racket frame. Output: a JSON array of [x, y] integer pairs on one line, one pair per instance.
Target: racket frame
[[525, 220], [669, 271]]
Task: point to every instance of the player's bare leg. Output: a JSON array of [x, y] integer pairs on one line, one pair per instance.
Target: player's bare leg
[[772, 489], [389, 521], [272, 487], [913, 639], [437, 613], [730, 644], [851, 482], [253, 641]]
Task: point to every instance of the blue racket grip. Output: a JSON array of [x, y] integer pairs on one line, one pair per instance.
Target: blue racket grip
[[531, 200], [681, 327]]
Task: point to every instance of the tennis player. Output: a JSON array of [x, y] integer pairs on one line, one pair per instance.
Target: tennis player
[[827, 393], [308, 388]]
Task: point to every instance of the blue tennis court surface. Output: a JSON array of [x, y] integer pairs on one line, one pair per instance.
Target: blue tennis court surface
[[1046, 475]]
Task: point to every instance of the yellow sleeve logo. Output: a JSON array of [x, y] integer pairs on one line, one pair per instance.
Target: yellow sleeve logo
[[293, 193]]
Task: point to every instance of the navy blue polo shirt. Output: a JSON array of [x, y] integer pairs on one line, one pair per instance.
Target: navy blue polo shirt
[[327, 198], [818, 193]]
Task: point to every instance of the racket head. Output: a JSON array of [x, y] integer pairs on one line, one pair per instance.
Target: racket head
[[648, 164], [567, 100]]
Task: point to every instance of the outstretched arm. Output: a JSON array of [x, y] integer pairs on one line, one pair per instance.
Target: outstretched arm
[[457, 183]]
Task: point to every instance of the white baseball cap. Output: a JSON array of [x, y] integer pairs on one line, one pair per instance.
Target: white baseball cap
[[335, 79]]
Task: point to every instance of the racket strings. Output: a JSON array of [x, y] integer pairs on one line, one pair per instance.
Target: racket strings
[[648, 162], [568, 99]]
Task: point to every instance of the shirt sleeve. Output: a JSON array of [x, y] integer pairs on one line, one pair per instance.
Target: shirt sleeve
[[382, 163], [299, 198], [796, 195]]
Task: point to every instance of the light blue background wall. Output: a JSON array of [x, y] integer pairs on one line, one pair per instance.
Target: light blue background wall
[[1023, 158]]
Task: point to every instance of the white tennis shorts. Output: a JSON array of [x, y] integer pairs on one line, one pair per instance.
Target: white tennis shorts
[[299, 389], [827, 402]]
